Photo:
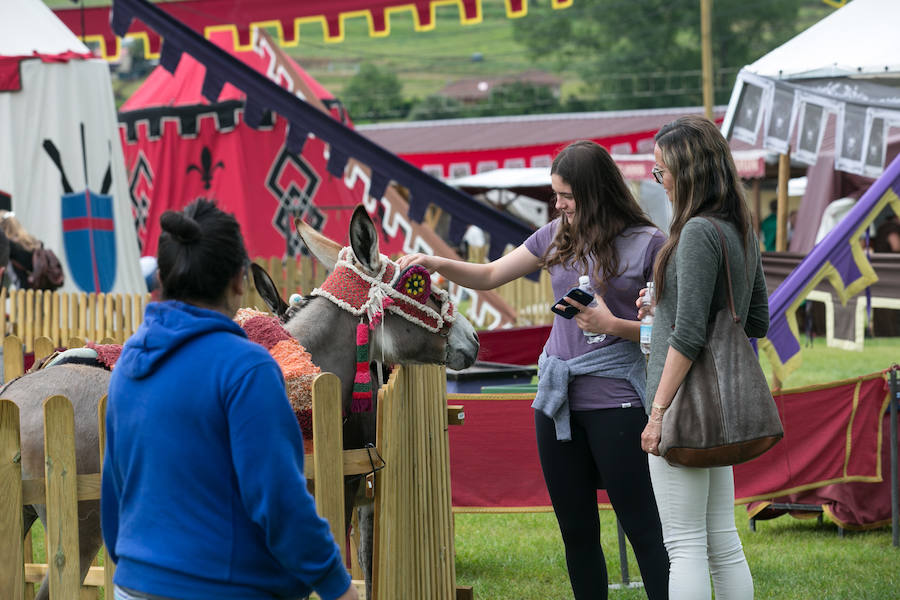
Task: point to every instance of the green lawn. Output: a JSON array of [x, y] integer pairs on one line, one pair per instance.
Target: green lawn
[[520, 557], [821, 364]]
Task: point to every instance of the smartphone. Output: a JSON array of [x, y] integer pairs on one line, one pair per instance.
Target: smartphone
[[577, 294]]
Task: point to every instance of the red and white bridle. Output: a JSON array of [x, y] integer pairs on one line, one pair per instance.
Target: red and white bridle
[[405, 293]]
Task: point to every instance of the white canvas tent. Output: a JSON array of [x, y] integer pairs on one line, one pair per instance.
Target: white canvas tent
[[829, 95], [61, 165], [860, 39]]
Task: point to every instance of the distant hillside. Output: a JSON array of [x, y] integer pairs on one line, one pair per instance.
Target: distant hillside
[[424, 62]]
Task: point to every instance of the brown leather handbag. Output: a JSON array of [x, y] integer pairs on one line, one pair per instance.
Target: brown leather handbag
[[723, 413]]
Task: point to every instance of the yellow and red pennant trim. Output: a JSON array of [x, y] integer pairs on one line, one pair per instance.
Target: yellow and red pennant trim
[[285, 16]]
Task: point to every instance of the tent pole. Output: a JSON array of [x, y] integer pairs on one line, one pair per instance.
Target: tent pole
[[707, 56], [757, 203], [784, 173]]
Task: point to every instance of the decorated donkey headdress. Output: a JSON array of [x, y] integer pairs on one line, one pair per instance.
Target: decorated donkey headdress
[[368, 284]]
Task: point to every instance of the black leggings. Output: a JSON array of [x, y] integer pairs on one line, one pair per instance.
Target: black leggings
[[605, 452]]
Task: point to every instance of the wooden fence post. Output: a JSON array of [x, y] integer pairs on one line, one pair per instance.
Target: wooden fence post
[[29, 320], [413, 523], [13, 358], [65, 319], [12, 556], [99, 315], [60, 476], [43, 347], [328, 473], [20, 312], [108, 567]]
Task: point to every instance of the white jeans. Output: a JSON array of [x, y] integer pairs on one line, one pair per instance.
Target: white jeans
[[696, 508]]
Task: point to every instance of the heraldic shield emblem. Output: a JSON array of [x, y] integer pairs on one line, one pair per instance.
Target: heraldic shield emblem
[[89, 237]]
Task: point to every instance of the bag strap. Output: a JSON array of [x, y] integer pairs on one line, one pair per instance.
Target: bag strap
[[734, 314]]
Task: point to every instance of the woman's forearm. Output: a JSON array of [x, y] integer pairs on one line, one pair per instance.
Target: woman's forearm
[[476, 276], [674, 371], [479, 276]]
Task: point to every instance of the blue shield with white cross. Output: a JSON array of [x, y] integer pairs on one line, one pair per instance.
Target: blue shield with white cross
[[89, 237]]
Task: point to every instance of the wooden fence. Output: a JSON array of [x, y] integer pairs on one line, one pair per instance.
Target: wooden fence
[[412, 492], [18, 573], [61, 316], [290, 276]]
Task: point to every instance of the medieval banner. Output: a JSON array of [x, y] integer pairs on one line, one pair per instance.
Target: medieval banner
[[238, 17]]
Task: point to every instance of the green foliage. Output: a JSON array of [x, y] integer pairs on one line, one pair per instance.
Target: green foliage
[[374, 94], [435, 106], [518, 98], [646, 53]]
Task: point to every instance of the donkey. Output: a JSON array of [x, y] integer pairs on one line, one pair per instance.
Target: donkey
[[324, 326], [327, 331]]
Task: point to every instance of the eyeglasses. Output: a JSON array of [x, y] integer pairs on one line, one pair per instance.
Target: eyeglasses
[[658, 174]]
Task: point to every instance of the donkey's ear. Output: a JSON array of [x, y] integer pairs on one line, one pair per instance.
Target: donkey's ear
[[325, 250], [364, 239], [267, 291]]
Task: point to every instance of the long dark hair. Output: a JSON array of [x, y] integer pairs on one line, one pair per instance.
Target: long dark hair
[[604, 208], [201, 249], [706, 182]]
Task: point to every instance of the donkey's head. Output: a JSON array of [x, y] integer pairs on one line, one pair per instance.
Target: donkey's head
[[410, 321]]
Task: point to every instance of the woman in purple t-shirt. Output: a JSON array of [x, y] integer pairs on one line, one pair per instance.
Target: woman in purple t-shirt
[[590, 437]]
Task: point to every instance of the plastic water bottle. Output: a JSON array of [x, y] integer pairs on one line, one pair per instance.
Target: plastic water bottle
[[584, 284], [647, 321]]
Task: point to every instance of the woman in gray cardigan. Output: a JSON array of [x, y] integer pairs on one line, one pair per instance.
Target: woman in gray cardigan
[[694, 165]]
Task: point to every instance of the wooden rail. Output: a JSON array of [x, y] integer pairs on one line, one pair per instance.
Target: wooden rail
[[61, 491]]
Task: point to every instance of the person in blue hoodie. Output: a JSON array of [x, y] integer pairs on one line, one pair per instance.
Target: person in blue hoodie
[[203, 492]]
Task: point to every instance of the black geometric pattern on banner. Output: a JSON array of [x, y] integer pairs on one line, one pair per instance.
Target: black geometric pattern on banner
[[140, 203], [295, 200], [187, 117]]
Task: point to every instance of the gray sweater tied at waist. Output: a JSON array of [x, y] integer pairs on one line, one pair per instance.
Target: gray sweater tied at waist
[[623, 360]]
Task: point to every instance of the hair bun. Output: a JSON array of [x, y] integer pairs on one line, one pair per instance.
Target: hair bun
[[180, 226]]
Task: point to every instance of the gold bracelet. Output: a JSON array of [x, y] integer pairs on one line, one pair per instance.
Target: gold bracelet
[[660, 407]]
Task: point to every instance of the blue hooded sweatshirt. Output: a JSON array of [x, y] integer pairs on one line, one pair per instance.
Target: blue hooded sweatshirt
[[203, 488]]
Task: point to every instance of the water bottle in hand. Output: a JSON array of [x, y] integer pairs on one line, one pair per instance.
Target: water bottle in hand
[[647, 320], [584, 284]]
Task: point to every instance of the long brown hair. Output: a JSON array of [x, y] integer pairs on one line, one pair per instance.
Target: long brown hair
[[705, 179], [604, 208]]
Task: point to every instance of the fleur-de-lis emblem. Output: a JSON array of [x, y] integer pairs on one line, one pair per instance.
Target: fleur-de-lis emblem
[[206, 167]]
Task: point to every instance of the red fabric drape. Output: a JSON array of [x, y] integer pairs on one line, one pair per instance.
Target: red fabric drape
[[832, 443], [517, 346]]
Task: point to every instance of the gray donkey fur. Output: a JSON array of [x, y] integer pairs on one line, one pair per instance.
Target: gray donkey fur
[[333, 349], [83, 386], [326, 331]]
